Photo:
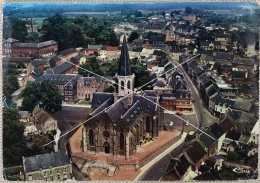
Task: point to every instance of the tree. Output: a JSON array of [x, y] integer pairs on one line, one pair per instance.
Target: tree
[[14, 145], [133, 36], [32, 37], [110, 88], [37, 145], [91, 65], [31, 96], [10, 85], [19, 30], [233, 156], [138, 13], [51, 98], [141, 76], [188, 10], [45, 93], [163, 14]]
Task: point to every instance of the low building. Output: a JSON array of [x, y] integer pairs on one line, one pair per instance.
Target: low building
[[44, 122], [46, 48], [254, 136], [87, 86], [93, 49], [210, 45], [54, 166], [62, 57]]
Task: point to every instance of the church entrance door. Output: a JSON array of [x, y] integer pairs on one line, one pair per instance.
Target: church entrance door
[[107, 147]]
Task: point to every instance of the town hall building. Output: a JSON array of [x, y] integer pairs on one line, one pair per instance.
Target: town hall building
[[117, 127]]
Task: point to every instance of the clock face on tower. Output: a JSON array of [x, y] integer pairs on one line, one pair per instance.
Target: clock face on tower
[[106, 134]]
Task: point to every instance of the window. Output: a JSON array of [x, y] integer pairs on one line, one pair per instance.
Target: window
[[44, 174], [147, 124], [58, 177], [51, 177], [30, 177], [58, 171], [122, 141], [122, 85], [50, 172], [128, 85], [64, 169], [45, 178], [91, 137]]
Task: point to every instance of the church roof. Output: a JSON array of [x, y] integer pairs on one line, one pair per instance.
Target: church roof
[[132, 114], [147, 105], [124, 68], [99, 98], [117, 111]]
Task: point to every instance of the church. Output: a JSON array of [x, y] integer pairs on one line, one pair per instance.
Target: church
[[121, 127]]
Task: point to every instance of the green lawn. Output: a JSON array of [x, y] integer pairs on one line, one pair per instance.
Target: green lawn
[[84, 102]]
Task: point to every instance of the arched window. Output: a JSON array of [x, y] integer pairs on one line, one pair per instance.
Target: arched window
[[91, 137], [128, 85], [122, 141], [147, 124], [122, 85]]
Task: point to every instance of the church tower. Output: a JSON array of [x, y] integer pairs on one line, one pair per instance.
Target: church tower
[[125, 78]]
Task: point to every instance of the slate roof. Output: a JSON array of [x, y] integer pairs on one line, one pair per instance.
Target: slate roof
[[132, 114], [234, 114], [62, 68], [10, 40], [205, 139], [151, 93], [67, 52], [234, 135], [226, 125], [158, 53], [224, 56], [45, 161], [239, 74], [16, 59], [137, 49], [195, 152], [36, 73], [244, 61], [178, 83], [8, 103], [212, 90], [159, 83], [182, 94], [35, 45], [146, 104], [88, 80], [103, 106], [59, 79], [36, 63], [72, 83], [206, 43], [117, 111], [94, 47], [171, 165], [99, 98], [242, 104], [216, 130], [221, 101], [182, 165]]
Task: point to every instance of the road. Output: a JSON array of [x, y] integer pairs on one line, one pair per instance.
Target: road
[[203, 116], [201, 119], [155, 172]]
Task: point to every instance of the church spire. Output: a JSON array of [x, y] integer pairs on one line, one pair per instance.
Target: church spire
[[124, 68]]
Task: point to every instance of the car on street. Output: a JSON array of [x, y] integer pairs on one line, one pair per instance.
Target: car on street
[[178, 113]]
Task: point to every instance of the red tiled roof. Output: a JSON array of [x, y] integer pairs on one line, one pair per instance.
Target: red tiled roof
[[112, 48]]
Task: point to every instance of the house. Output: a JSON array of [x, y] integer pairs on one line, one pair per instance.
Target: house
[[210, 141], [210, 45], [44, 122], [246, 64], [55, 166], [111, 52], [254, 136], [47, 48], [67, 83], [7, 46], [93, 49], [196, 155], [243, 104], [64, 68], [190, 17], [210, 92], [87, 86], [31, 25], [24, 115], [39, 64], [176, 53], [62, 57], [219, 105], [219, 134]]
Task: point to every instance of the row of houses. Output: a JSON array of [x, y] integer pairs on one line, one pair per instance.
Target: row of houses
[[205, 151], [14, 48]]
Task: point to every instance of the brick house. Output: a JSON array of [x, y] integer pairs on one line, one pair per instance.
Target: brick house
[[86, 86], [93, 49], [191, 18], [46, 48], [67, 83], [55, 166], [39, 64], [62, 57]]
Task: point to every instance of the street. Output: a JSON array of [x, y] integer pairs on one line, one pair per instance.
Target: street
[[155, 172], [203, 116]]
